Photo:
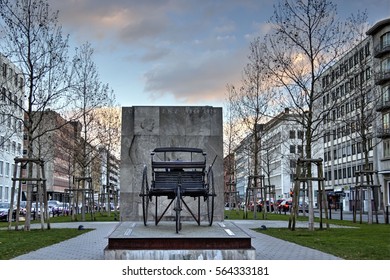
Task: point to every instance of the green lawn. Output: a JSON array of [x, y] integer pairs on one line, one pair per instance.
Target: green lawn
[[14, 243], [359, 242]]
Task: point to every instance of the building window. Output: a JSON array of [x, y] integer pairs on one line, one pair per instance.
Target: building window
[[385, 40], [300, 149], [6, 172], [361, 54], [1, 167], [367, 49], [368, 73], [1, 193], [359, 147], [385, 94], [3, 94], [350, 62], [356, 58], [386, 148], [16, 80], [386, 121], [292, 134], [388, 191], [292, 149], [385, 65], [346, 87], [4, 70]]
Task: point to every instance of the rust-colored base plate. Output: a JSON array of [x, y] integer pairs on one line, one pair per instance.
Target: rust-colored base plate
[[219, 236]]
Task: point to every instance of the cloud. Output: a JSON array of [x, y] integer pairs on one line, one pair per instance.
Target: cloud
[[129, 20], [186, 50], [198, 79]]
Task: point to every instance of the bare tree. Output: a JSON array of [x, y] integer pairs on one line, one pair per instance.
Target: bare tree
[[306, 38], [33, 40], [89, 95], [231, 138], [109, 121], [252, 104]]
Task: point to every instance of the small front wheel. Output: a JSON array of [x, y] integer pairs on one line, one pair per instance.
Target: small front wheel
[[178, 209]]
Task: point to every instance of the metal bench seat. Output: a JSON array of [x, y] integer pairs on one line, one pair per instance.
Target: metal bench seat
[[191, 182]]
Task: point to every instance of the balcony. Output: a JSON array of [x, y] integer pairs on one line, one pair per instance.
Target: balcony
[[382, 77], [383, 133], [380, 50], [382, 106]]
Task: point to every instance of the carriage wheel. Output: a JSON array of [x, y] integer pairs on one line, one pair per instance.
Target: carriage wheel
[[178, 209], [145, 195], [210, 197]]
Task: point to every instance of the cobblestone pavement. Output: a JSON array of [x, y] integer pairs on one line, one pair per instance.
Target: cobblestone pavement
[[90, 246]]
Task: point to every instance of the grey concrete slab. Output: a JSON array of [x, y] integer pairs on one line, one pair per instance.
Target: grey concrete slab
[[91, 245], [189, 229]]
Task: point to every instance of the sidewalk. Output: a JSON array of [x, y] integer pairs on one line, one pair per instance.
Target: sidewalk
[[90, 246]]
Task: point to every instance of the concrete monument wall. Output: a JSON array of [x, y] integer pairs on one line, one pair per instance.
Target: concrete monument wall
[[145, 128]]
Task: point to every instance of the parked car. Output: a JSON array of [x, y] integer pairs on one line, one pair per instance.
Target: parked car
[[278, 202], [303, 207], [64, 208], [23, 208], [270, 206], [4, 210], [55, 207], [36, 208], [285, 206]]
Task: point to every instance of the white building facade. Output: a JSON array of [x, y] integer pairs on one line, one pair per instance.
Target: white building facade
[[11, 123], [348, 96], [380, 36], [356, 136], [281, 144]]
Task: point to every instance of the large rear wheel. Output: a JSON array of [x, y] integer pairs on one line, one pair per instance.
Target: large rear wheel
[[210, 196], [145, 195]]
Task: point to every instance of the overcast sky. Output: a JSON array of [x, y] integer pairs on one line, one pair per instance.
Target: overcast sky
[[176, 52]]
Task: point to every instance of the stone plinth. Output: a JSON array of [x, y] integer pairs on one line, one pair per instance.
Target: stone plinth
[[145, 128], [221, 241]]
